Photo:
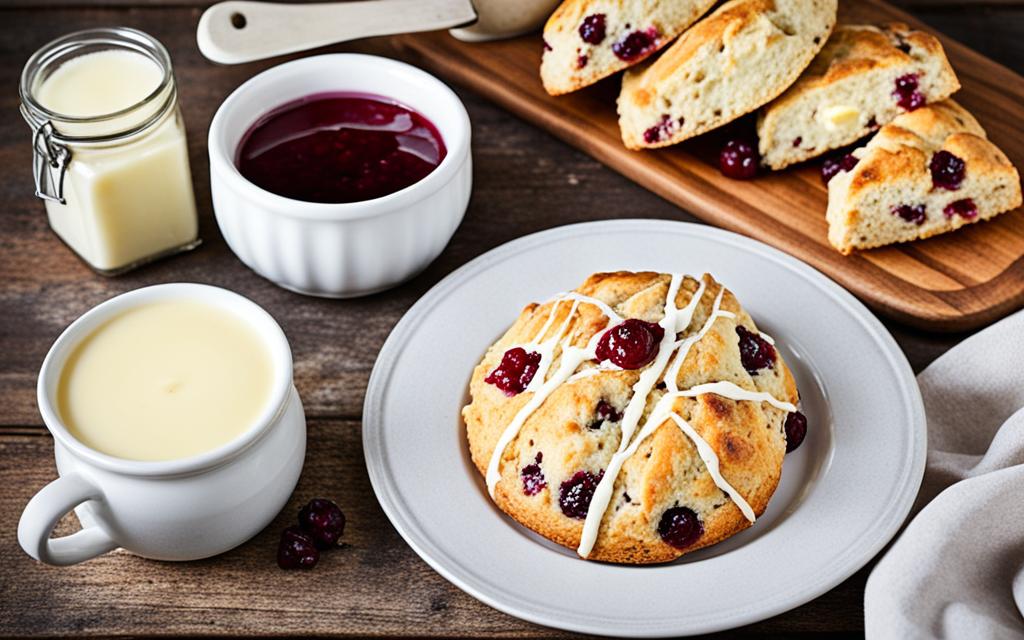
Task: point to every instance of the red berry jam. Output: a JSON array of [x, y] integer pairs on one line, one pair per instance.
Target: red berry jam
[[592, 29], [796, 429], [533, 477], [636, 45], [515, 372], [832, 166], [965, 208], [756, 353], [575, 494], [339, 147], [738, 160], [947, 171], [915, 214], [631, 344], [680, 527], [906, 93]]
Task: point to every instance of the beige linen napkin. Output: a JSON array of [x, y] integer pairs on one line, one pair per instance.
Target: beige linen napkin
[[957, 571]]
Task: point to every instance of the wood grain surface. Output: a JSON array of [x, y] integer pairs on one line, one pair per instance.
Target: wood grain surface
[[954, 281], [525, 181]]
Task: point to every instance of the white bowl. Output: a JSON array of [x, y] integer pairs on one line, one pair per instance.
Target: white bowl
[[348, 249]]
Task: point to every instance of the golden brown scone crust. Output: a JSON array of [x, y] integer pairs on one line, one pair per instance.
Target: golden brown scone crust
[[893, 169], [847, 91], [666, 471], [741, 56]]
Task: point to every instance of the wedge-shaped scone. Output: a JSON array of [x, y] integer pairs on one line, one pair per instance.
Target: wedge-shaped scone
[[863, 78], [586, 40], [730, 63], [927, 172]]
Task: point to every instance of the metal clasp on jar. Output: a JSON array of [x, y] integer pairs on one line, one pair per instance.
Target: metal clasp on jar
[[49, 164]]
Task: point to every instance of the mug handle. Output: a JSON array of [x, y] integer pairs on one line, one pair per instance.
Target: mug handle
[[45, 510]]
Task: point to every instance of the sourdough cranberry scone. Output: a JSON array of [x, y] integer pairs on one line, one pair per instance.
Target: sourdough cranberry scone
[[863, 78], [587, 40], [927, 172], [732, 62], [636, 419]]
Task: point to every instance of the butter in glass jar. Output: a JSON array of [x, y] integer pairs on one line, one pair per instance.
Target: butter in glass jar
[[110, 158]]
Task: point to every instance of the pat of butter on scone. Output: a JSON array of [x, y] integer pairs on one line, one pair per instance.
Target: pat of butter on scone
[[839, 116]]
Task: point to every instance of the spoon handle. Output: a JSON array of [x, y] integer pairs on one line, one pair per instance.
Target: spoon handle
[[241, 31]]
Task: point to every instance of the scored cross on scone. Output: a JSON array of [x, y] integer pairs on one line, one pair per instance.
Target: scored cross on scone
[[863, 78], [640, 417], [587, 40], [927, 172], [732, 62]]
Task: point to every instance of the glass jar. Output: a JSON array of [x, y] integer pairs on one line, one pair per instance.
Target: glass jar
[[114, 177]]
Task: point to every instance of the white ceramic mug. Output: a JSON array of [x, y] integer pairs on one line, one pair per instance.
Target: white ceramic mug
[[182, 509]]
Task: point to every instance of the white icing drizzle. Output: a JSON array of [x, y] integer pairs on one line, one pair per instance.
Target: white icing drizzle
[[572, 358], [767, 338], [710, 458], [674, 321]]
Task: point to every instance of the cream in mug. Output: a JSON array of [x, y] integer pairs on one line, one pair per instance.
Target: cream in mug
[[127, 187], [165, 380]]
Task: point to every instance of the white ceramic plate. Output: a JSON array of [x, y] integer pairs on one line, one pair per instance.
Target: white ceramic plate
[[843, 494]]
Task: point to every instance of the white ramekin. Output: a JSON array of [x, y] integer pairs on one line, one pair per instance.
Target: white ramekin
[[183, 509], [349, 249]]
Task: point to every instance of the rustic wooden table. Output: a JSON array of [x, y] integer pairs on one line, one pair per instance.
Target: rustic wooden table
[[525, 181]]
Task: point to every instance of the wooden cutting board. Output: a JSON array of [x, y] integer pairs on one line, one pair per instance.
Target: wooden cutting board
[[953, 282]]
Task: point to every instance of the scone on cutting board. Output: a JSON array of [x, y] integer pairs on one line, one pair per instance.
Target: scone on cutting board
[[587, 40], [732, 62], [863, 78], [640, 417], [927, 172]]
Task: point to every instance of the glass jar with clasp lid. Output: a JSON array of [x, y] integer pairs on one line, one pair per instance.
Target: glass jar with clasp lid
[[110, 158]]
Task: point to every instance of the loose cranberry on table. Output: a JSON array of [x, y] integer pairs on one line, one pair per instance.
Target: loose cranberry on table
[[680, 527], [297, 550], [515, 372], [756, 353], [796, 429], [324, 521], [631, 344], [738, 159]]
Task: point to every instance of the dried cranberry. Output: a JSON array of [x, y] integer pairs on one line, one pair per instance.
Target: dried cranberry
[[592, 29], [947, 170], [660, 131], [965, 208], [604, 413], [680, 527], [324, 521], [547, 47], [831, 166], [906, 93], [911, 213], [738, 160], [631, 344], [515, 372], [797, 141], [756, 353], [533, 477], [575, 494], [796, 429], [297, 550], [581, 61], [636, 45]]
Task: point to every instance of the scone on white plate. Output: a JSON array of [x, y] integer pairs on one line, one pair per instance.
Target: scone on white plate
[[863, 78], [587, 40], [730, 63], [927, 172]]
